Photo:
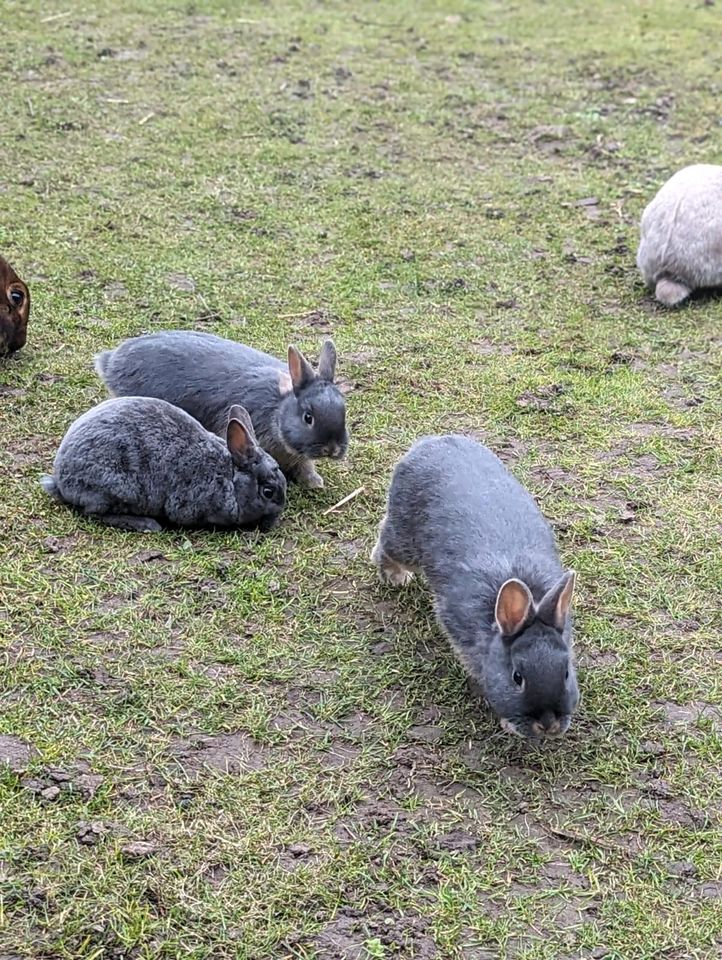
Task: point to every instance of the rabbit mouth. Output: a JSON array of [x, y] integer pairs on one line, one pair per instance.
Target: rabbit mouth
[[268, 522], [336, 451], [262, 524], [533, 730]]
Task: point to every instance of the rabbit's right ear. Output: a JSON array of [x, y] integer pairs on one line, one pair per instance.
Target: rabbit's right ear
[[302, 373], [240, 440], [237, 412], [327, 361], [554, 606], [514, 604]]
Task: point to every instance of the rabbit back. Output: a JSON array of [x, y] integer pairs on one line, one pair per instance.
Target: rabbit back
[[199, 372], [680, 246], [145, 457], [454, 506]]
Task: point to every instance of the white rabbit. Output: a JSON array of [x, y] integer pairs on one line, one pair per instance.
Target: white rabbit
[[681, 235]]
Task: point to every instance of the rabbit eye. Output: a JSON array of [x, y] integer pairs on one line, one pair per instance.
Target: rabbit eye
[[517, 678], [267, 491], [16, 297], [308, 418]]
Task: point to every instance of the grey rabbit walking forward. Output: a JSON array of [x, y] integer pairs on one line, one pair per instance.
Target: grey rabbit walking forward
[[456, 515], [299, 415], [133, 461]]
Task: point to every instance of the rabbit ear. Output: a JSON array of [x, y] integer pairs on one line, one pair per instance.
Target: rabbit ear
[[513, 606], [300, 369], [237, 412], [239, 439], [555, 603], [327, 361]]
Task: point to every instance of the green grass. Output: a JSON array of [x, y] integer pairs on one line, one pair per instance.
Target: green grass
[[407, 176]]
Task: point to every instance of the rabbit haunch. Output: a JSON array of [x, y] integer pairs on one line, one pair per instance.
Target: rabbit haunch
[[132, 461], [298, 413], [456, 515], [680, 248]]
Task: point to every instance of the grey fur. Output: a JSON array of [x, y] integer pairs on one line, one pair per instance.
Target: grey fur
[[680, 249], [204, 374], [132, 461], [456, 515]]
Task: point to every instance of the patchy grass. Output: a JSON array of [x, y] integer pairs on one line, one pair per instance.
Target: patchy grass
[[453, 191]]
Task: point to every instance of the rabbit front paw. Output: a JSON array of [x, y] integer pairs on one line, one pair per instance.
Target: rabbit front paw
[[306, 476], [390, 571]]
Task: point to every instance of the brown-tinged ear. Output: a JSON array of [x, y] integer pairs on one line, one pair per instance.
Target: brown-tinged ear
[[556, 602], [301, 371], [237, 412], [239, 439], [24, 308], [327, 361], [514, 603]]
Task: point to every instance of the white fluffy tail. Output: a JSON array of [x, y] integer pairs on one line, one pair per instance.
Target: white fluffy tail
[[101, 363], [670, 293], [50, 486]]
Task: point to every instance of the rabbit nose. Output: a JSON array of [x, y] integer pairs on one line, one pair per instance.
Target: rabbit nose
[[546, 725]]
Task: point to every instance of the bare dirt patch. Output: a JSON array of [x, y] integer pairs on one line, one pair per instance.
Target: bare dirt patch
[[358, 724], [76, 779], [61, 545], [488, 348], [679, 715], [297, 724], [320, 319], [379, 815], [216, 873], [711, 890], [598, 659], [673, 811], [296, 855], [544, 399], [558, 873], [233, 753], [348, 934], [454, 842], [15, 753], [339, 755]]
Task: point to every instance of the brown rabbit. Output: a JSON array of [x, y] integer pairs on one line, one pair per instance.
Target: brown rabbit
[[14, 310]]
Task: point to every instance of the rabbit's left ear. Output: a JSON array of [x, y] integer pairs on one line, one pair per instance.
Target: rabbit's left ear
[[514, 604], [239, 439], [301, 371], [327, 361], [556, 602], [237, 412]]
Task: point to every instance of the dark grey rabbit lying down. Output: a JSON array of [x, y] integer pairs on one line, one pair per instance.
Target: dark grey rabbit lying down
[[132, 461], [456, 515], [299, 415]]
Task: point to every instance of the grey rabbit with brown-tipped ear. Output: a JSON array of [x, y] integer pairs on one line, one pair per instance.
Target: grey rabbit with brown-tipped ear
[[133, 461], [456, 515], [680, 249], [299, 414]]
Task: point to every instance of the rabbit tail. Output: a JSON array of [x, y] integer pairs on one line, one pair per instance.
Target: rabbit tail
[[50, 486], [101, 363], [670, 292]]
